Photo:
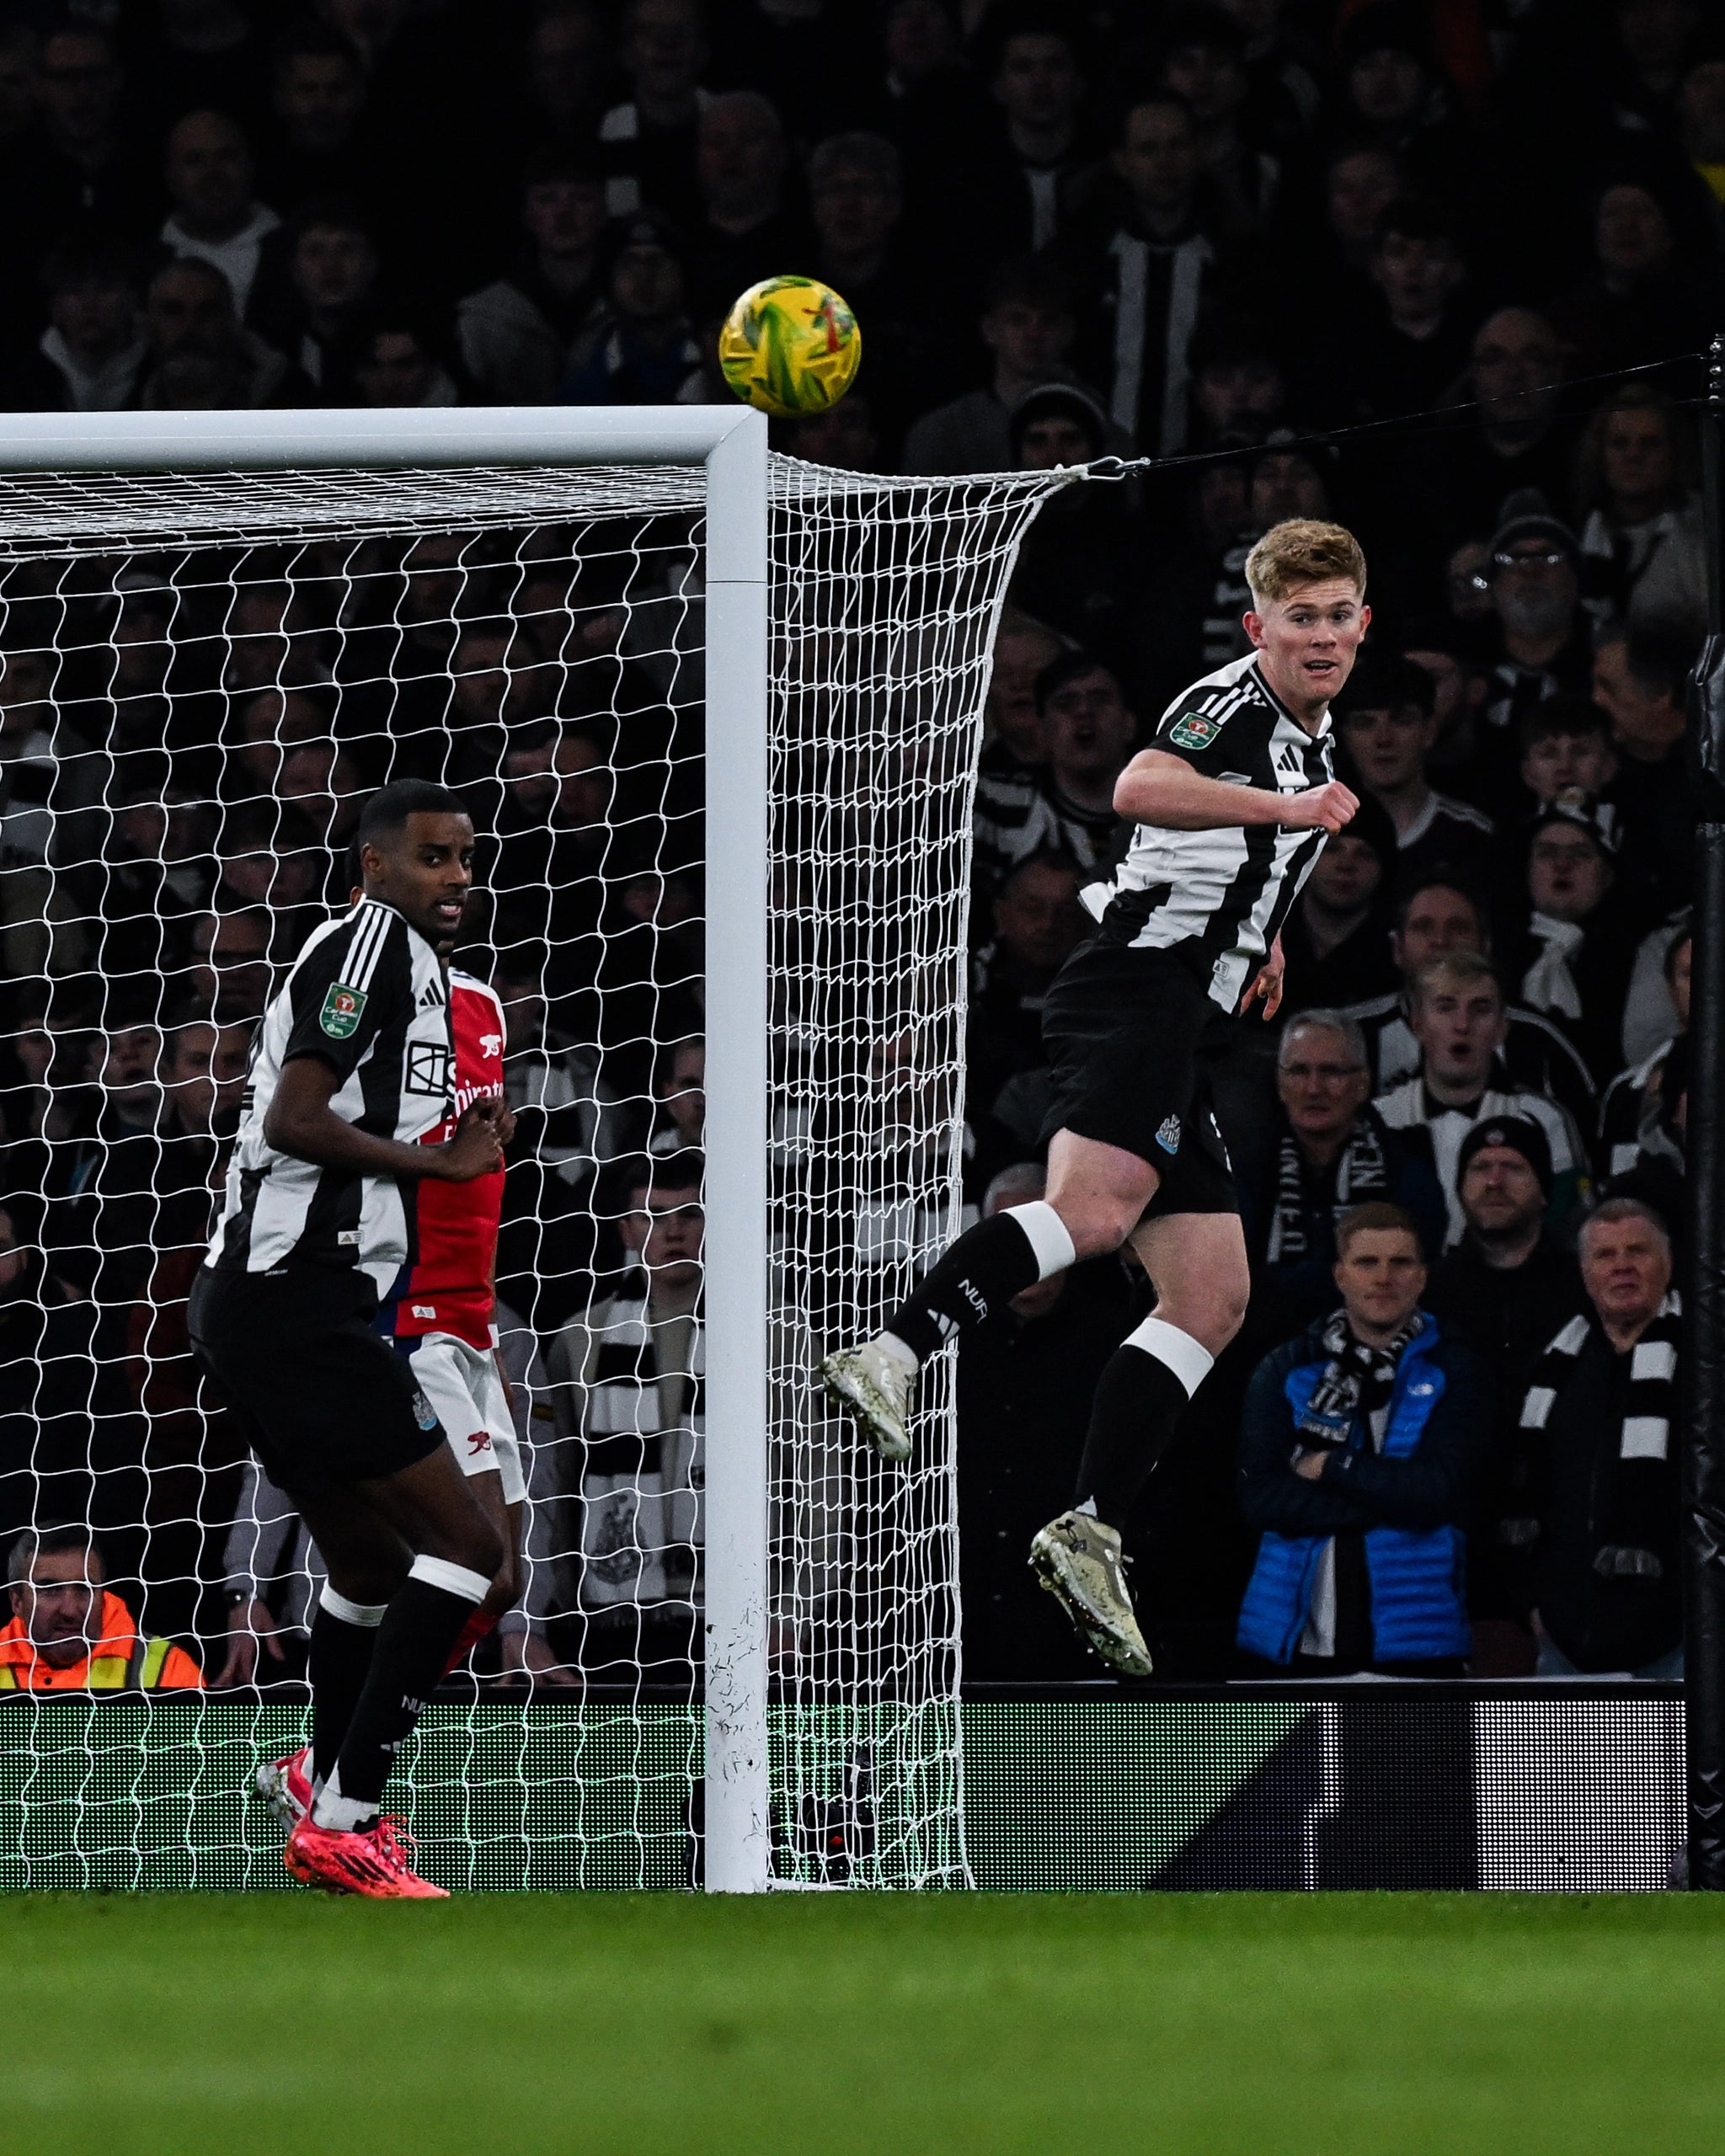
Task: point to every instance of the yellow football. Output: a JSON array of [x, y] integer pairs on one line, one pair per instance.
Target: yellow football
[[790, 345]]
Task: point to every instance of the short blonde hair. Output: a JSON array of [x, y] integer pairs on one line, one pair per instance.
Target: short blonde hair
[[1303, 551]]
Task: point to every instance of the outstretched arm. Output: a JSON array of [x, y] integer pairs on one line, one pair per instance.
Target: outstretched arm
[[1165, 791]]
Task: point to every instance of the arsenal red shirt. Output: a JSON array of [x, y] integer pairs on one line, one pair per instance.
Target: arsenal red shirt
[[449, 1287]]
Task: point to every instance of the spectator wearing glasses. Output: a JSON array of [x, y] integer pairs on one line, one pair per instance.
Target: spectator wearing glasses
[[1537, 644], [1326, 1151], [1571, 951]]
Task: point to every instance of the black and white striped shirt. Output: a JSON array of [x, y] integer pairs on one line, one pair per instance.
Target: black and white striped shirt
[[368, 997], [1221, 894]]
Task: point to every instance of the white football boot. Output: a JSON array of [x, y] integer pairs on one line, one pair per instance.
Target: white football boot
[[1077, 1559], [873, 1384]]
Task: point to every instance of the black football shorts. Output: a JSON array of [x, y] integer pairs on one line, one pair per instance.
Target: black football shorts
[[324, 1400], [1128, 1035]]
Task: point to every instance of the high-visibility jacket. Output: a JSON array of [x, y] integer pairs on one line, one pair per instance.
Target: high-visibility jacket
[[121, 1661]]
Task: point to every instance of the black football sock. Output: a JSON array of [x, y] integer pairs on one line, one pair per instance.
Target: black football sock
[[424, 1621], [344, 1636], [1140, 1396], [980, 1275]]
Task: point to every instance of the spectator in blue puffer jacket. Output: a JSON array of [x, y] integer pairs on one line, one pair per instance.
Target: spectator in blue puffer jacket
[[1360, 1445]]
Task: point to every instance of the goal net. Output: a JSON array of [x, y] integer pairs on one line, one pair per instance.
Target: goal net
[[204, 676]]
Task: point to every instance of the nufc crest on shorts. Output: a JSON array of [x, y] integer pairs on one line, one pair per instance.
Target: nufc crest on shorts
[[1193, 730], [343, 1008]]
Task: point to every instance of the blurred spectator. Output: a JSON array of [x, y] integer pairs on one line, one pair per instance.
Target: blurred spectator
[[1091, 735], [1361, 1442], [1635, 1096], [641, 351], [1023, 1394], [200, 359], [680, 1089], [864, 250], [1336, 942], [317, 145], [1204, 61], [229, 977], [747, 230], [1504, 1290], [1038, 924], [1700, 121], [1436, 915], [1601, 1408], [1457, 1014], [1148, 266], [650, 140], [519, 334], [90, 356], [1388, 724], [1017, 186], [1642, 546], [1539, 646], [396, 365], [215, 217], [566, 1116], [1401, 352], [629, 1379], [324, 280], [1015, 754], [1028, 328], [1639, 678], [90, 170], [1327, 1151], [1084, 565], [1566, 749], [1644, 296], [69, 1633], [1570, 950]]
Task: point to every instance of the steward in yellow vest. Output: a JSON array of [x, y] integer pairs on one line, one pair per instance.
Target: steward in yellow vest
[[69, 1634]]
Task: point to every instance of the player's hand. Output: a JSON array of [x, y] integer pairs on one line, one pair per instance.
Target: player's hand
[[1267, 983], [476, 1147], [1319, 807], [525, 1654], [1309, 1465], [248, 1623]]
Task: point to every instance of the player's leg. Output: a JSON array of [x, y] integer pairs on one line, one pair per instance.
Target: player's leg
[[1095, 1193], [1192, 1248], [463, 1385], [456, 1553]]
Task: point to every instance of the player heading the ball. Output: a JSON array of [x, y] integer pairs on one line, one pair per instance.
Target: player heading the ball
[[353, 1069], [1232, 801]]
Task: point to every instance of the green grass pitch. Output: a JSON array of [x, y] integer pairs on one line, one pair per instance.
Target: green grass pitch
[[545, 2025]]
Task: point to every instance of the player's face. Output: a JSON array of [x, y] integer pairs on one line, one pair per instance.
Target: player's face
[[425, 873], [1310, 641]]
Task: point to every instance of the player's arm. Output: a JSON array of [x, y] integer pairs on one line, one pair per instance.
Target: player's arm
[[1165, 792], [301, 1121]]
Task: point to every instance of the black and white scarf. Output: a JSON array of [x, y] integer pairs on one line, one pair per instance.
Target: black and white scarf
[[1638, 1501], [1358, 1380], [1360, 1173], [644, 1471]]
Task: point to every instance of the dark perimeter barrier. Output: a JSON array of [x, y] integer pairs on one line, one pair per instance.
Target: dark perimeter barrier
[[1094, 1788], [1704, 1451]]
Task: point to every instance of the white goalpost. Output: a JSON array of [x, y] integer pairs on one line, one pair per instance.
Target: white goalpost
[[824, 639]]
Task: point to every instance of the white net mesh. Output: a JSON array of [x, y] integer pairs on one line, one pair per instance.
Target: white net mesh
[[203, 678]]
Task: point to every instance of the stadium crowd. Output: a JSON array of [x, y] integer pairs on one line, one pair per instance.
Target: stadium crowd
[[1438, 270]]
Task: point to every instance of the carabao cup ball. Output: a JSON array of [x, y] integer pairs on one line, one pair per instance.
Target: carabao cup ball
[[790, 346]]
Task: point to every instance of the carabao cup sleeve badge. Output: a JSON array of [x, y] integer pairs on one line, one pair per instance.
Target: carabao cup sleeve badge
[[1194, 731], [342, 1011]]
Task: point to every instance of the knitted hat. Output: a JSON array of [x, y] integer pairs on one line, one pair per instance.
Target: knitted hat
[[1574, 805], [1515, 1133]]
